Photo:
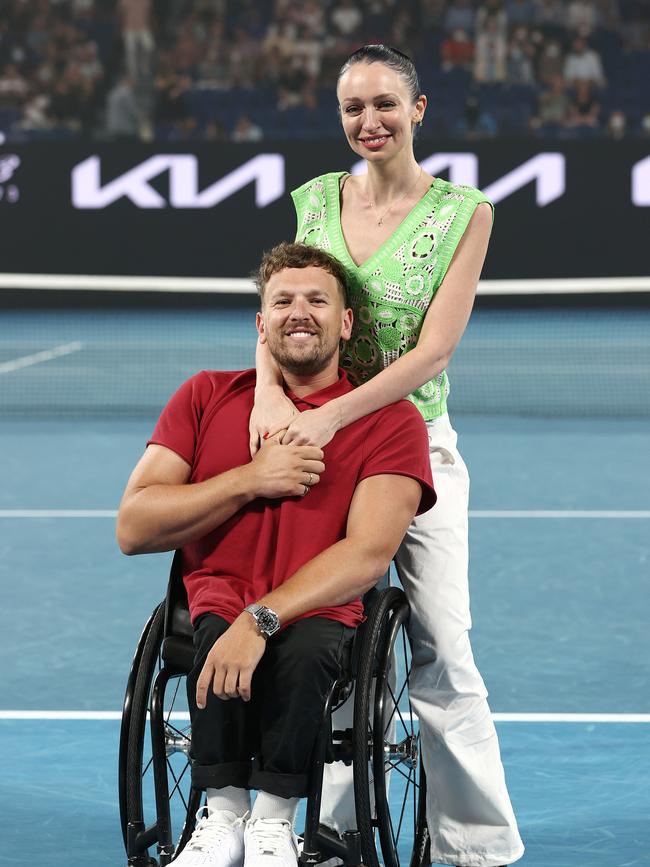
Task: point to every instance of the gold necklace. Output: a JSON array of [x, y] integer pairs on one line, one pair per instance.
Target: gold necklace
[[397, 201]]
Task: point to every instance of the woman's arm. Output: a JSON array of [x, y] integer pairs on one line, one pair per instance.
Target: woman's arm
[[272, 408], [442, 329]]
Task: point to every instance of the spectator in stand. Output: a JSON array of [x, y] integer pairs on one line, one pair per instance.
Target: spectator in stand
[[187, 52], [645, 125], [520, 13], [137, 36], [491, 16], [520, 58], [281, 37], [490, 60], [214, 131], [291, 83], [310, 51], [346, 18], [90, 65], [214, 70], [475, 122], [402, 31], [457, 51], [583, 64], [584, 108], [552, 108], [171, 91], [311, 16], [635, 31], [581, 17], [122, 111], [550, 17], [14, 88], [36, 114], [244, 56], [616, 125], [551, 63], [81, 92], [246, 130], [378, 17], [460, 16]]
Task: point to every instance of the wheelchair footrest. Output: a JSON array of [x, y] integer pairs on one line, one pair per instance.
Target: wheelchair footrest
[[330, 845]]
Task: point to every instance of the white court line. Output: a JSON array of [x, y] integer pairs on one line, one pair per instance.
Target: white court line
[[497, 717], [519, 513], [58, 513], [38, 357], [560, 513]]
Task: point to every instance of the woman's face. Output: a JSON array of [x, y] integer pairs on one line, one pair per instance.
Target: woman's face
[[377, 111]]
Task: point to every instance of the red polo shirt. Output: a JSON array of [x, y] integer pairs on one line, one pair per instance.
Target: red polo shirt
[[262, 545]]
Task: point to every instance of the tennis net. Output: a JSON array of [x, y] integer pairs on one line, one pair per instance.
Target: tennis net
[[73, 347]]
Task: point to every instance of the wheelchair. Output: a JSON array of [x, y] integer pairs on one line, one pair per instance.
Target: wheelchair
[[158, 806]]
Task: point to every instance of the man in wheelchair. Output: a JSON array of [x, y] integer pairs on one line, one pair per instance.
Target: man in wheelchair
[[276, 553]]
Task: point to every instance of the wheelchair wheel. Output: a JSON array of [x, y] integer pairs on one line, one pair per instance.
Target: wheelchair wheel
[[389, 781], [157, 803]]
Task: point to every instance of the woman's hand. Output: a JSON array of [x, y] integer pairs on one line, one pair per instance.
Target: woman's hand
[[272, 412], [314, 427]]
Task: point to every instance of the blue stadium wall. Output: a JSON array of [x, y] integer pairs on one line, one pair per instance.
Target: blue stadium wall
[[563, 209]]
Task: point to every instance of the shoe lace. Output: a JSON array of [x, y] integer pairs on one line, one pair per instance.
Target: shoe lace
[[209, 831], [270, 837]]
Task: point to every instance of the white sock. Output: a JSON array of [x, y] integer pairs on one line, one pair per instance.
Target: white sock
[[230, 799], [268, 806]]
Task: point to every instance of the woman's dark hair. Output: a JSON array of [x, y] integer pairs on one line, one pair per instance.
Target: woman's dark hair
[[391, 57]]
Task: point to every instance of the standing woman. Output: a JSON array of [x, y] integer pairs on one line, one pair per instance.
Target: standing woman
[[414, 247]]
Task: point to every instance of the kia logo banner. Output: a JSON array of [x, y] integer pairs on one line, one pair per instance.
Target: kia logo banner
[[564, 209]]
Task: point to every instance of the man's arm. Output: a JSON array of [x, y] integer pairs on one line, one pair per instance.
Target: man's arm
[[161, 511], [382, 508]]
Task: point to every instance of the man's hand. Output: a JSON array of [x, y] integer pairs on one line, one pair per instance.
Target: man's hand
[[283, 471], [231, 662]]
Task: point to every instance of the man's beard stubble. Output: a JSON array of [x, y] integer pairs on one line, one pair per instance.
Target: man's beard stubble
[[302, 361]]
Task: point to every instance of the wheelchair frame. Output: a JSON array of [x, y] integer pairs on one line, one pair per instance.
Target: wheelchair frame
[[166, 643]]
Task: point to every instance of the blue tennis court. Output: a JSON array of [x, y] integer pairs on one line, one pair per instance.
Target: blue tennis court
[[559, 573]]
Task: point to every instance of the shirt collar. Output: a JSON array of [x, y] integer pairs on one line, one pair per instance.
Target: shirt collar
[[318, 398]]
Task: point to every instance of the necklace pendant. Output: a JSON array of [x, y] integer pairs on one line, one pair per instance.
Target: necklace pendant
[[379, 222]]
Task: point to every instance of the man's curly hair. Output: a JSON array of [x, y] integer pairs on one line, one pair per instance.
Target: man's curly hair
[[290, 255]]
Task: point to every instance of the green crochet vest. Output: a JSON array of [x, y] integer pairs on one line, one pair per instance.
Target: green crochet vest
[[390, 293]]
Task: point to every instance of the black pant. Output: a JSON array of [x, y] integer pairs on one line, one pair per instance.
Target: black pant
[[267, 743]]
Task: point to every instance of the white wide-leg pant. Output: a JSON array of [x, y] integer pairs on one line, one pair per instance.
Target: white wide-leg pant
[[470, 818]]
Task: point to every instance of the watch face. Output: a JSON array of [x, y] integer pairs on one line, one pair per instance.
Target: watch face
[[267, 621]]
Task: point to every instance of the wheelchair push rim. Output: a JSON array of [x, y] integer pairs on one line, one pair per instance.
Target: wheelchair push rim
[[159, 805], [390, 786]]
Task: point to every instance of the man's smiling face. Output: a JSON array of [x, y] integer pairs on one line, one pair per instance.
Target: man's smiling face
[[303, 319]]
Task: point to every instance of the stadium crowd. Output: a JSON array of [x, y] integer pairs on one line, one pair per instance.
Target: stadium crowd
[[244, 70]]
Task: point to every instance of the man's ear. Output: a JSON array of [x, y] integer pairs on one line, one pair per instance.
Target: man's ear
[[259, 324], [346, 328]]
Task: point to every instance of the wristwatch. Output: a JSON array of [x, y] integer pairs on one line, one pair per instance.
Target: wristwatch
[[267, 620]]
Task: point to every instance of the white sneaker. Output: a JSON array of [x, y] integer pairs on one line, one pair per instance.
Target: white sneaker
[[217, 841], [270, 843]]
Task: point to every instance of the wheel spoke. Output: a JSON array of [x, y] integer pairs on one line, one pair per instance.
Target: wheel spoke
[[394, 767], [173, 701], [148, 765], [392, 834], [169, 765], [407, 676], [397, 701], [396, 708], [178, 782], [406, 794], [182, 733]]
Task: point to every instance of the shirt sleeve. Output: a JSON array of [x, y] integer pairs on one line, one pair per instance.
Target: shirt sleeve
[[398, 444], [178, 426]]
